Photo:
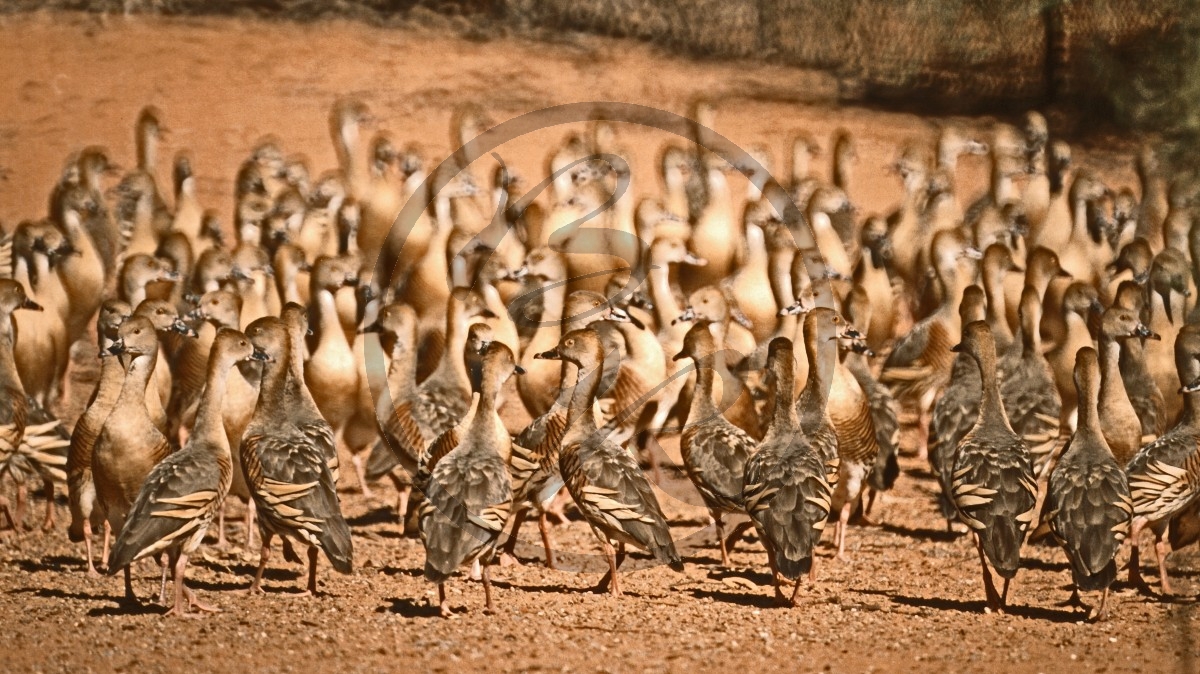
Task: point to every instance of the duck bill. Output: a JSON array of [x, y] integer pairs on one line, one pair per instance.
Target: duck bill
[[184, 329], [795, 309], [688, 315], [517, 369], [261, 356], [31, 305], [552, 354], [117, 348], [1143, 331], [374, 327]]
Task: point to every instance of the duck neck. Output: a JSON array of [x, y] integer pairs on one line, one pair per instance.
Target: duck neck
[[822, 359], [453, 364], [756, 248], [147, 150], [8, 364], [664, 298], [702, 406], [1191, 409], [997, 310], [784, 417], [1001, 184], [332, 335], [489, 390], [549, 327], [288, 291], [210, 425], [841, 172], [354, 161], [273, 389], [1077, 329], [581, 421], [137, 375], [1031, 338], [801, 164], [1112, 387], [402, 376], [1089, 415], [991, 408]]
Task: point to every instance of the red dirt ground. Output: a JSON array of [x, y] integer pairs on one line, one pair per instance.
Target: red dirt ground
[[909, 599]]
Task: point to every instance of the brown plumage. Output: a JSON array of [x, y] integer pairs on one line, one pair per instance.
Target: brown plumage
[[605, 482], [785, 490], [14, 405], [919, 365], [1027, 388], [81, 491], [1118, 417], [182, 494], [1164, 476], [1088, 502], [714, 450], [955, 413], [287, 468], [992, 480], [468, 494], [129, 444]]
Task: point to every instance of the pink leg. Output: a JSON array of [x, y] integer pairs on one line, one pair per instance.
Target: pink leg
[[490, 607], [1162, 548], [544, 528]]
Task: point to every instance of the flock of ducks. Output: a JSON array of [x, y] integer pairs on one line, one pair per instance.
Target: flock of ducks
[[1042, 337]]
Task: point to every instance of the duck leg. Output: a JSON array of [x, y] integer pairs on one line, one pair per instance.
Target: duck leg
[[719, 524], [510, 545], [610, 581], [443, 603], [107, 542], [360, 471], [489, 607], [184, 593], [87, 546], [544, 528], [1162, 548], [256, 585], [655, 473], [840, 533], [313, 554], [250, 516], [402, 502], [994, 603], [796, 590], [868, 506], [22, 497], [1101, 612], [165, 562], [48, 523], [780, 598], [129, 596], [222, 542], [7, 513]]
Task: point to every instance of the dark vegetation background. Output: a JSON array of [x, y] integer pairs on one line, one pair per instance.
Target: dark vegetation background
[[1095, 65]]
